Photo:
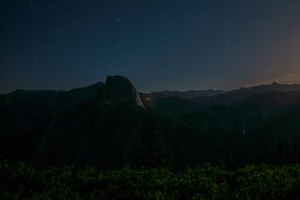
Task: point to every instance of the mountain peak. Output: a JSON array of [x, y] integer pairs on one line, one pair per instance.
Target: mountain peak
[[119, 88], [275, 83]]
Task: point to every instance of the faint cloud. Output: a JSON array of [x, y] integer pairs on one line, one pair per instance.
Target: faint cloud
[[289, 79]]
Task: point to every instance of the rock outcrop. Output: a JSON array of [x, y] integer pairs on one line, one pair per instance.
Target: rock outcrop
[[117, 88]]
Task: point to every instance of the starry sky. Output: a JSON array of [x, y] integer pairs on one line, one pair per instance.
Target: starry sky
[[157, 44]]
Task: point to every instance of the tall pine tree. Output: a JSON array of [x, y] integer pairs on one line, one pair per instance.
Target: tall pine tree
[[287, 152], [151, 151]]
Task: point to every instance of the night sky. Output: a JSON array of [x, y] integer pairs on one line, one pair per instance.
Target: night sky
[[158, 45]]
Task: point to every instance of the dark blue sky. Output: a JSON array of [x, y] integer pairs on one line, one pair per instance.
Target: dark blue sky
[[158, 45]]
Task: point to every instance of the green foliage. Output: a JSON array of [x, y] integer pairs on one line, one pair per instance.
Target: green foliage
[[264, 182], [21, 181], [151, 153]]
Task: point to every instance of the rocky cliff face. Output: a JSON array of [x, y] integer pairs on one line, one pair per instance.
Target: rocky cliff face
[[117, 88]]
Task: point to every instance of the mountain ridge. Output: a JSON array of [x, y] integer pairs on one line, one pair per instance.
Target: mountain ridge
[[67, 127]]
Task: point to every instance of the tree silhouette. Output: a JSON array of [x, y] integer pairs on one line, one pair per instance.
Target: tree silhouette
[[151, 151], [287, 152], [295, 150]]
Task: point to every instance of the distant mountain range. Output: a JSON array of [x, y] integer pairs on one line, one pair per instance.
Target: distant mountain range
[[100, 124], [183, 102], [240, 94], [189, 94]]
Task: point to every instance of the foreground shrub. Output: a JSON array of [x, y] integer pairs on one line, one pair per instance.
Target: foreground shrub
[[21, 181]]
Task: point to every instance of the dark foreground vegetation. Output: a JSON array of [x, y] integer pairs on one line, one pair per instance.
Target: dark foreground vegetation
[[22, 181]]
